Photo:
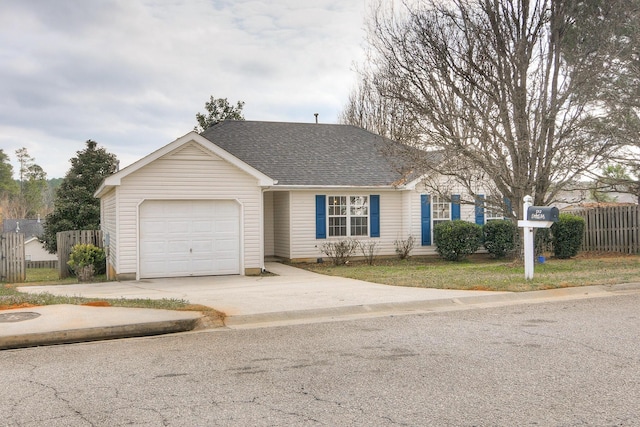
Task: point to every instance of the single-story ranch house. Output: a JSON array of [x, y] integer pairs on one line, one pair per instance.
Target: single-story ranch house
[[222, 201]]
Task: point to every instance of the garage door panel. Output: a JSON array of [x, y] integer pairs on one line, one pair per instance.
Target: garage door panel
[[226, 226], [157, 266], [177, 227], [227, 209], [201, 266], [202, 247], [153, 249], [226, 245], [178, 264], [224, 267], [178, 209], [201, 210], [205, 227], [156, 227], [184, 238]]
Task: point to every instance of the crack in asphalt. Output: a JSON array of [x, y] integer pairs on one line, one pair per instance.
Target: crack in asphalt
[[67, 403]]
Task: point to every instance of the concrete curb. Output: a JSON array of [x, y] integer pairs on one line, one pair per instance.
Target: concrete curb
[[66, 323], [424, 306], [97, 334], [74, 324]]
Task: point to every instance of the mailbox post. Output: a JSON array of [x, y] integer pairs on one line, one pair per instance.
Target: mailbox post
[[534, 217]]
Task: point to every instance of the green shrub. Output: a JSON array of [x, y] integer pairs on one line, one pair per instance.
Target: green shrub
[[543, 241], [568, 233], [86, 260], [455, 240], [498, 237]]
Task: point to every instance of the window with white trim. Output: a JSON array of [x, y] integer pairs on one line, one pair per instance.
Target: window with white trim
[[348, 216], [441, 209], [493, 213]]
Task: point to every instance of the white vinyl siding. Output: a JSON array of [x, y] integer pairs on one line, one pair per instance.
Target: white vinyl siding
[[108, 224], [189, 174], [412, 213], [268, 224], [304, 244], [282, 224], [34, 251]]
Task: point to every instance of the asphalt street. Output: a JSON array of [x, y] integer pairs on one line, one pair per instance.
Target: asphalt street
[[563, 363]]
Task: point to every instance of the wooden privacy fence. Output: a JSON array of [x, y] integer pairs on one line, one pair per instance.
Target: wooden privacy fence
[[12, 263], [67, 239], [42, 264], [611, 229]]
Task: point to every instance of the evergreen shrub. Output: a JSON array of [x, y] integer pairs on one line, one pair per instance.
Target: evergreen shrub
[[499, 236], [86, 260], [457, 239], [567, 233]]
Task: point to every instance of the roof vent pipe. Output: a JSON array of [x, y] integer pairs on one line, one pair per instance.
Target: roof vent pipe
[[316, 114]]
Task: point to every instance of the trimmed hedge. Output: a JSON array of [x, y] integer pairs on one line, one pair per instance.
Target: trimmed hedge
[[456, 239], [499, 237], [568, 233]]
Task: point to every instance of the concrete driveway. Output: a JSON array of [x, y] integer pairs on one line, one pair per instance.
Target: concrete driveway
[[292, 293]]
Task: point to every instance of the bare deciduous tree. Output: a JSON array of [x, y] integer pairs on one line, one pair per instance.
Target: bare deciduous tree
[[518, 92], [386, 117]]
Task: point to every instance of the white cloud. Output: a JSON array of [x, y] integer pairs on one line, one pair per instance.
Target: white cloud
[[132, 75]]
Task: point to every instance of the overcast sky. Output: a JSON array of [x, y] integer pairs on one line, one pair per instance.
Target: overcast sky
[[131, 74]]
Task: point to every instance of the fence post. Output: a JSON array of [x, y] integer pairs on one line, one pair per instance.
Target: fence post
[[12, 260], [613, 229]]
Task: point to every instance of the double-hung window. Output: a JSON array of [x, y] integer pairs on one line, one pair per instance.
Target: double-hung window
[[348, 216], [441, 209], [493, 213]]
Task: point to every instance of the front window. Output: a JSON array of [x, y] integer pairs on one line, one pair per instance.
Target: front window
[[348, 216], [441, 209], [493, 213], [337, 216]]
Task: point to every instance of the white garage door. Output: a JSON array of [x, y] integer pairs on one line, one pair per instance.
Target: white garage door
[[189, 238]]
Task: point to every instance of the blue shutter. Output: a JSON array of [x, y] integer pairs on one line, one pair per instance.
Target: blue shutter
[[321, 217], [374, 201], [480, 209], [455, 206], [425, 219]]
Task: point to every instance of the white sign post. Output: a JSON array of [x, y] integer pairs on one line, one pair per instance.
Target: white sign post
[[539, 217]]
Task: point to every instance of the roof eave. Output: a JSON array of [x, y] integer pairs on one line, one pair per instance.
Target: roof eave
[[116, 179], [335, 187]]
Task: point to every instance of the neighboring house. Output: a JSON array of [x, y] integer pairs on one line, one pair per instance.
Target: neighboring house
[[32, 229], [577, 197], [242, 191]]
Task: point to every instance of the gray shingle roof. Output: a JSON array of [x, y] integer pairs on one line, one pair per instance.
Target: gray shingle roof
[[309, 153], [30, 227]]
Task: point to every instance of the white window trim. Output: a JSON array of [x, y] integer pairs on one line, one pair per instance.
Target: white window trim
[[349, 216], [492, 213], [440, 201]]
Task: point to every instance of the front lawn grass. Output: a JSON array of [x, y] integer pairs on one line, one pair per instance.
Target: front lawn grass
[[483, 273], [49, 276], [10, 297]]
